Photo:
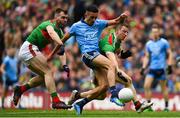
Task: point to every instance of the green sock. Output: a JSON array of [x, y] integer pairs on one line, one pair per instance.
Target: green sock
[[55, 97], [54, 94]]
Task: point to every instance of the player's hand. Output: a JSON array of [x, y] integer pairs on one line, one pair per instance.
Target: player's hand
[[61, 50], [125, 54], [66, 69], [169, 69], [119, 74], [123, 16], [142, 71]]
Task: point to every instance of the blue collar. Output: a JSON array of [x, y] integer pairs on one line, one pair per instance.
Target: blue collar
[[157, 39], [82, 20]]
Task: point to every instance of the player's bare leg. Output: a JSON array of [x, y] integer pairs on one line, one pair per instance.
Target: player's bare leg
[[4, 94], [147, 89], [101, 81], [140, 107], [98, 77], [164, 90], [98, 84], [39, 63], [102, 96], [19, 90], [91, 94], [102, 62], [105, 63], [75, 95], [127, 84], [34, 82]]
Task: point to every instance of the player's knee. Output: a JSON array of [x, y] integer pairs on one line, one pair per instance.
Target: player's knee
[[111, 67], [146, 87], [49, 74], [165, 92]]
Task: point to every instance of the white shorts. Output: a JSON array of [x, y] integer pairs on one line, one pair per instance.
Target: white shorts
[[28, 51]]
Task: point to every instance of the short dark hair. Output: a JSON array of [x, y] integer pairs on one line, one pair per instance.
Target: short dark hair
[[155, 25], [92, 8], [126, 25], [121, 25], [59, 10]]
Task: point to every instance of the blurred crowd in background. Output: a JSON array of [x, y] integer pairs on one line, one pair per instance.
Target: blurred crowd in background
[[19, 17]]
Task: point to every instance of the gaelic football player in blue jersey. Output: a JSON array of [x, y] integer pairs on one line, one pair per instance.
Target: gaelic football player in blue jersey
[[9, 69], [156, 53], [87, 32]]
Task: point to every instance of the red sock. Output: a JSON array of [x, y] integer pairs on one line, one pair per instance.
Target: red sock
[[55, 98], [137, 105], [24, 88]]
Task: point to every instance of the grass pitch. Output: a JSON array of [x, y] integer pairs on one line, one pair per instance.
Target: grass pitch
[[94, 114]]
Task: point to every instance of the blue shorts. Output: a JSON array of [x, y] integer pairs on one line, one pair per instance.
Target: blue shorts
[[8, 82], [88, 57], [158, 74]]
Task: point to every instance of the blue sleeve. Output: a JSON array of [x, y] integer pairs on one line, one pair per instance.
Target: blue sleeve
[[72, 30], [166, 44], [102, 23], [5, 61]]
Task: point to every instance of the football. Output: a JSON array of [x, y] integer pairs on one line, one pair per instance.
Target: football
[[125, 95]]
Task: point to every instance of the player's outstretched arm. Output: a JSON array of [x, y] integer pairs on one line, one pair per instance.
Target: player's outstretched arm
[[59, 47], [53, 35], [119, 19]]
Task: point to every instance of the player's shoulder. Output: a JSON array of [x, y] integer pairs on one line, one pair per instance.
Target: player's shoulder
[[78, 23], [6, 58], [45, 22], [163, 40], [149, 42], [98, 21]]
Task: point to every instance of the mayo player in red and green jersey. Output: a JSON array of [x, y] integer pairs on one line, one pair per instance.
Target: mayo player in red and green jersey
[[44, 34], [40, 36], [109, 46]]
